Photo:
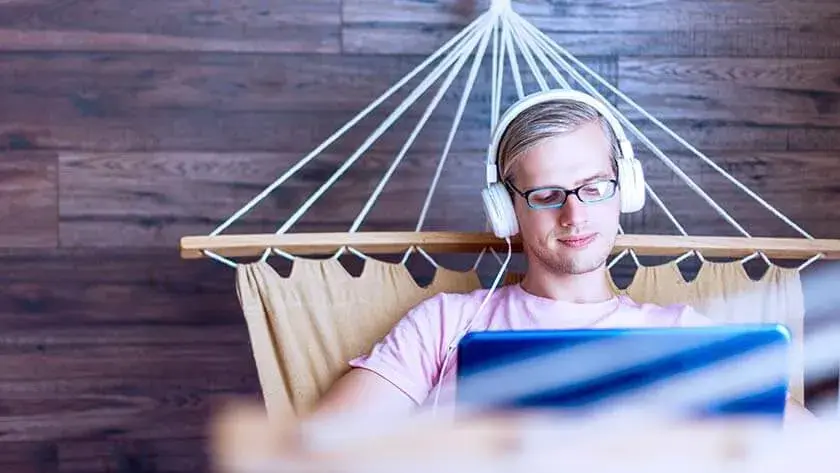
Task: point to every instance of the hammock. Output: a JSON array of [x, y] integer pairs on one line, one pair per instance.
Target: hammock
[[305, 327]]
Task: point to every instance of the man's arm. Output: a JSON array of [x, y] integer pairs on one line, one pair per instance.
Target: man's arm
[[398, 372], [363, 391], [358, 400]]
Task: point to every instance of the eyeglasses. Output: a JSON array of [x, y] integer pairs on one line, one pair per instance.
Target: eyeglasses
[[555, 197]]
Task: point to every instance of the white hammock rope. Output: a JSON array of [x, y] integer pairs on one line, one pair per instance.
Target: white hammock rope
[[444, 87], [496, 109], [648, 188], [462, 51], [624, 253], [511, 53], [510, 35], [422, 252], [468, 86], [810, 261], [284, 254], [220, 258], [498, 73], [497, 77], [468, 30], [551, 45], [525, 47], [529, 43], [656, 151], [650, 145]]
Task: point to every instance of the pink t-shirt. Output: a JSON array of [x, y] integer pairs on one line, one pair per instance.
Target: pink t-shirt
[[412, 354]]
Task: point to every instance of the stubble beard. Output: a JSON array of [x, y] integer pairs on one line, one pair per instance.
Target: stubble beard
[[560, 260]]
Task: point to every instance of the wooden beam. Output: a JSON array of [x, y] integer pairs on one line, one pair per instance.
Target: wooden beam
[[462, 242]]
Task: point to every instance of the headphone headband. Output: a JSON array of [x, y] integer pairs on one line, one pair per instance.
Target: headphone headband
[[537, 98]]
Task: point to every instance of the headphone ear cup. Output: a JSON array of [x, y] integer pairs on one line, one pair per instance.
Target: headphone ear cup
[[631, 183], [499, 210]]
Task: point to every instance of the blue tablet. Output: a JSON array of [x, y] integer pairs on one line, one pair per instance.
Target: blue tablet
[[715, 370]]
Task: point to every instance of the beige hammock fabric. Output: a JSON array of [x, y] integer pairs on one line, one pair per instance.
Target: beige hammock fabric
[[306, 327]]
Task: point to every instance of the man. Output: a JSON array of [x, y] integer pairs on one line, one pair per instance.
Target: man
[[558, 161]]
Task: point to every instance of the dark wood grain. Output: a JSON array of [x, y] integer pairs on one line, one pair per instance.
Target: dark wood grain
[[773, 101], [118, 102], [188, 25], [144, 361], [112, 358], [143, 288], [189, 101], [144, 199], [28, 199], [798, 184], [153, 198], [126, 125], [29, 457], [659, 28], [170, 455], [82, 456], [150, 200], [631, 15]]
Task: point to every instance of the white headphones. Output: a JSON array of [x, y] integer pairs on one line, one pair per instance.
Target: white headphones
[[497, 201]]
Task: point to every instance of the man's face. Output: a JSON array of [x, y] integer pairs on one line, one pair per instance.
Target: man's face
[[578, 237]]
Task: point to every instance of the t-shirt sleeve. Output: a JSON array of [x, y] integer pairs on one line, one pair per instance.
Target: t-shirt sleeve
[[409, 355]]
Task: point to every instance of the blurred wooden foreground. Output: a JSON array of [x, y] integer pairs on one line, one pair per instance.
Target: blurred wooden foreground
[[244, 441]]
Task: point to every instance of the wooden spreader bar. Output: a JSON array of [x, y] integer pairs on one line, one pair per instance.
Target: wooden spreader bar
[[465, 242]]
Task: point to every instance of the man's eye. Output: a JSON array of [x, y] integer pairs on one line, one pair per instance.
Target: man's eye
[[596, 189], [593, 190], [547, 196]]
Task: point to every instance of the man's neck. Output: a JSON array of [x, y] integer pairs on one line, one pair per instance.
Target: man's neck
[[590, 287]]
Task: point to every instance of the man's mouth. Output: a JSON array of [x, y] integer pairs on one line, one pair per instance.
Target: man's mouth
[[577, 241]]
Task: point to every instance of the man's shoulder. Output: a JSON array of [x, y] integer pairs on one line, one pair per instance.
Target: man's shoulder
[[454, 300], [678, 314], [451, 306]]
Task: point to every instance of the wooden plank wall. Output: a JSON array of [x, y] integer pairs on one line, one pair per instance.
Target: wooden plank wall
[[125, 125]]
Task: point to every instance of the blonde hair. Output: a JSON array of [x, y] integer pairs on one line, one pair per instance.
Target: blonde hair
[[544, 121]]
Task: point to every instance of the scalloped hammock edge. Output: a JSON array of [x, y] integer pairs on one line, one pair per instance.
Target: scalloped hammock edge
[[305, 327]]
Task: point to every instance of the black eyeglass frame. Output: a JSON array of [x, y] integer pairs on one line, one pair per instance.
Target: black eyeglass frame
[[567, 192]]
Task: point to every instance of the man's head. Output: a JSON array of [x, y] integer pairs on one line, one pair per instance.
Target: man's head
[[563, 144]]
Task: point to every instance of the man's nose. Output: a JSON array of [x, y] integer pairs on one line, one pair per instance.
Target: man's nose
[[573, 213]]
